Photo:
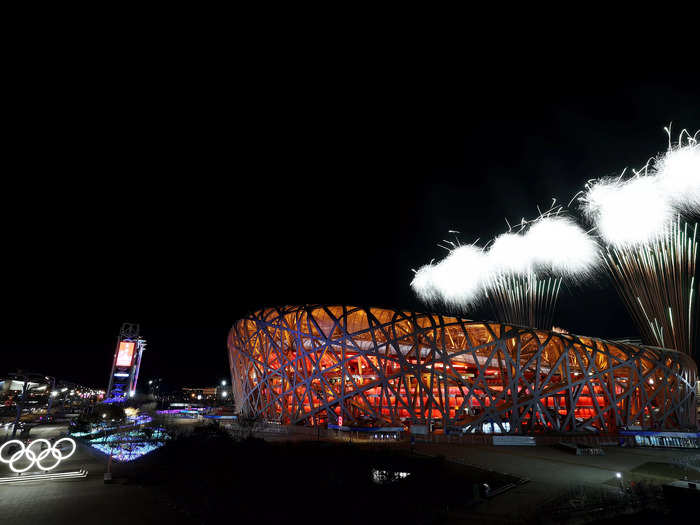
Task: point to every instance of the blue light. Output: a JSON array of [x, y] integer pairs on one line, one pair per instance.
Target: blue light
[[128, 452], [131, 445]]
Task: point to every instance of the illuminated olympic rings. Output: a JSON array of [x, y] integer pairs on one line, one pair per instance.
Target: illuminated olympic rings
[[38, 456]]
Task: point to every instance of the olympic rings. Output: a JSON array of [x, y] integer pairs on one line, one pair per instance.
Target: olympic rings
[[36, 458]]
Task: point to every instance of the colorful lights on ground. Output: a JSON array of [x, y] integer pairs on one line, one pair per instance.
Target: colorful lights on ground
[[140, 420], [90, 433], [131, 445], [183, 411], [127, 452]]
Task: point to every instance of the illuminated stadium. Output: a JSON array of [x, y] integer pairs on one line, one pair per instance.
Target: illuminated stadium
[[371, 367]]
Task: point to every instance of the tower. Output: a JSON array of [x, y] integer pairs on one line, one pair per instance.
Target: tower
[[125, 364]]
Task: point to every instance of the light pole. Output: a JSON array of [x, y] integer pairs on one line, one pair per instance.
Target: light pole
[[19, 407], [25, 378], [224, 393], [52, 385]]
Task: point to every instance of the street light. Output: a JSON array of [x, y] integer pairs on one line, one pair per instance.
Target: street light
[[618, 475], [223, 382], [224, 393]]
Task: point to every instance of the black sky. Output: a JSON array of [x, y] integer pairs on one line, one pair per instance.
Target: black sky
[[182, 194]]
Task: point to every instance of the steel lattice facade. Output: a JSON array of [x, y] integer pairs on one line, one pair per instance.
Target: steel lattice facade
[[376, 367]]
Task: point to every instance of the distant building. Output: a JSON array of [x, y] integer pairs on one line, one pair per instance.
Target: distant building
[[10, 385], [44, 394], [199, 394]]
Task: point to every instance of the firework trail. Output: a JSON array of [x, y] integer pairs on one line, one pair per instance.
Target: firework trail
[[527, 269], [657, 279]]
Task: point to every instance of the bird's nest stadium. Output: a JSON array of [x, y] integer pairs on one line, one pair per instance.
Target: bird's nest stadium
[[376, 367]]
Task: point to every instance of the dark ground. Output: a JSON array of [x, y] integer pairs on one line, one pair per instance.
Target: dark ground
[[305, 482], [205, 476]]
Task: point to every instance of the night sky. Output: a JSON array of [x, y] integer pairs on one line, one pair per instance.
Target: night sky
[[182, 198]]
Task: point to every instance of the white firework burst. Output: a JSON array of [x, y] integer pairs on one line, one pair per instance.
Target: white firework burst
[[678, 174], [628, 212]]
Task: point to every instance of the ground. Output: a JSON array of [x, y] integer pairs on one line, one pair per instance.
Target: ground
[[83, 500], [167, 492], [552, 470]]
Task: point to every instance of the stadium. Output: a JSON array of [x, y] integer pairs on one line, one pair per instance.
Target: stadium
[[372, 367]]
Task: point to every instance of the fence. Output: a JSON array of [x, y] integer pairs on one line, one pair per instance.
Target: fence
[[591, 441], [541, 439]]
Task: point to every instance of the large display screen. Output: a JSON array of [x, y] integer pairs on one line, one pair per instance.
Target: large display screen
[[125, 354]]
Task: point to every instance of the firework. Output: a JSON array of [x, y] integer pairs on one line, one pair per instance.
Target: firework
[[527, 300], [527, 269], [628, 212], [678, 174], [510, 253], [424, 285], [559, 246], [651, 251], [656, 281], [519, 276], [457, 280]]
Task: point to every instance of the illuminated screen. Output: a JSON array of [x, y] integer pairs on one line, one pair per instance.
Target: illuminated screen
[[125, 353]]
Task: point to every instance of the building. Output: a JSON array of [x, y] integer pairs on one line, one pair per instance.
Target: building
[[377, 367], [199, 394]]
